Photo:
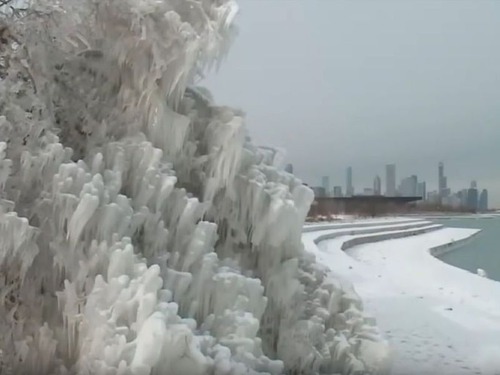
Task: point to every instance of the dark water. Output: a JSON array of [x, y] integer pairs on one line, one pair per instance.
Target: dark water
[[483, 251]]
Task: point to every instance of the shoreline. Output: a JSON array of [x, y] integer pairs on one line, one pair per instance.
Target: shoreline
[[453, 245], [402, 227]]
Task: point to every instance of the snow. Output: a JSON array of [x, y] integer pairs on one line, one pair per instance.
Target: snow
[[438, 318]]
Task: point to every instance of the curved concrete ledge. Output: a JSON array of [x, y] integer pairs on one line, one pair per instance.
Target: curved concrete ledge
[[365, 233], [437, 251], [376, 233], [321, 227], [329, 234], [384, 236]]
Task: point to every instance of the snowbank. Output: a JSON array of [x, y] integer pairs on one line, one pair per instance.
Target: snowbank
[[438, 318]]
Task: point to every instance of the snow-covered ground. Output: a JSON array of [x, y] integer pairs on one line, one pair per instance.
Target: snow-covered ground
[[439, 319]]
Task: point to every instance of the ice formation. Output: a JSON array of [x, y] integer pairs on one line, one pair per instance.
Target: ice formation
[[482, 273], [141, 232]]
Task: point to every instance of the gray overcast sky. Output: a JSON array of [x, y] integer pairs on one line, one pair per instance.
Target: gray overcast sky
[[366, 83]]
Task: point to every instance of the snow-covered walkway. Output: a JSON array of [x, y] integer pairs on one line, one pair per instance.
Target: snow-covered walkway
[[439, 319]]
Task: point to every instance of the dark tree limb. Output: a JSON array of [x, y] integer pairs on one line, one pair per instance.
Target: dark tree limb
[[4, 2]]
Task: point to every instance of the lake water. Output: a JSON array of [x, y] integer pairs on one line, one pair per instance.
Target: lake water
[[483, 251]]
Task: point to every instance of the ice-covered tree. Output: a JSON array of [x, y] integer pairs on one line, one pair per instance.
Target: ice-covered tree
[[141, 231]]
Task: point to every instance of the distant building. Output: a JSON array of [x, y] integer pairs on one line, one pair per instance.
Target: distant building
[[319, 191], [446, 192], [349, 188], [442, 183], [289, 168], [337, 191], [325, 184], [413, 185], [462, 194], [408, 186], [390, 180], [472, 199], [377, 186], [483, 201], [422, 190]]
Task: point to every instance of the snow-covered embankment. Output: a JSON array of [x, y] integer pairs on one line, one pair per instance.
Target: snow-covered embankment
[[438, 318]]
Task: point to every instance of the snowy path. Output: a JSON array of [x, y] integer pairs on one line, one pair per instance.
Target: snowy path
[[439, 319]]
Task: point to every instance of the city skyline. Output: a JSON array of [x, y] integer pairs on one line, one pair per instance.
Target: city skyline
[[380, 95], [411, 185], [361, 181]]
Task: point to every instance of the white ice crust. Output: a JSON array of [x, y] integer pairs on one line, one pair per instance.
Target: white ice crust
[[141, 231]]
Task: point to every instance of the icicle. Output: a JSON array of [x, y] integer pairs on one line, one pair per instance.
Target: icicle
[[82, 215]]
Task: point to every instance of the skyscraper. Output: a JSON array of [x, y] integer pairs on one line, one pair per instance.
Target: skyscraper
[[472, 197], [483, 201], [390, 180], [442, 182], [413, 185], [319, 192], [440, 171], [377, 186], [422, 190], [325, 184], [349, 188], [462, 194], [408, 186], [337, 191]]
